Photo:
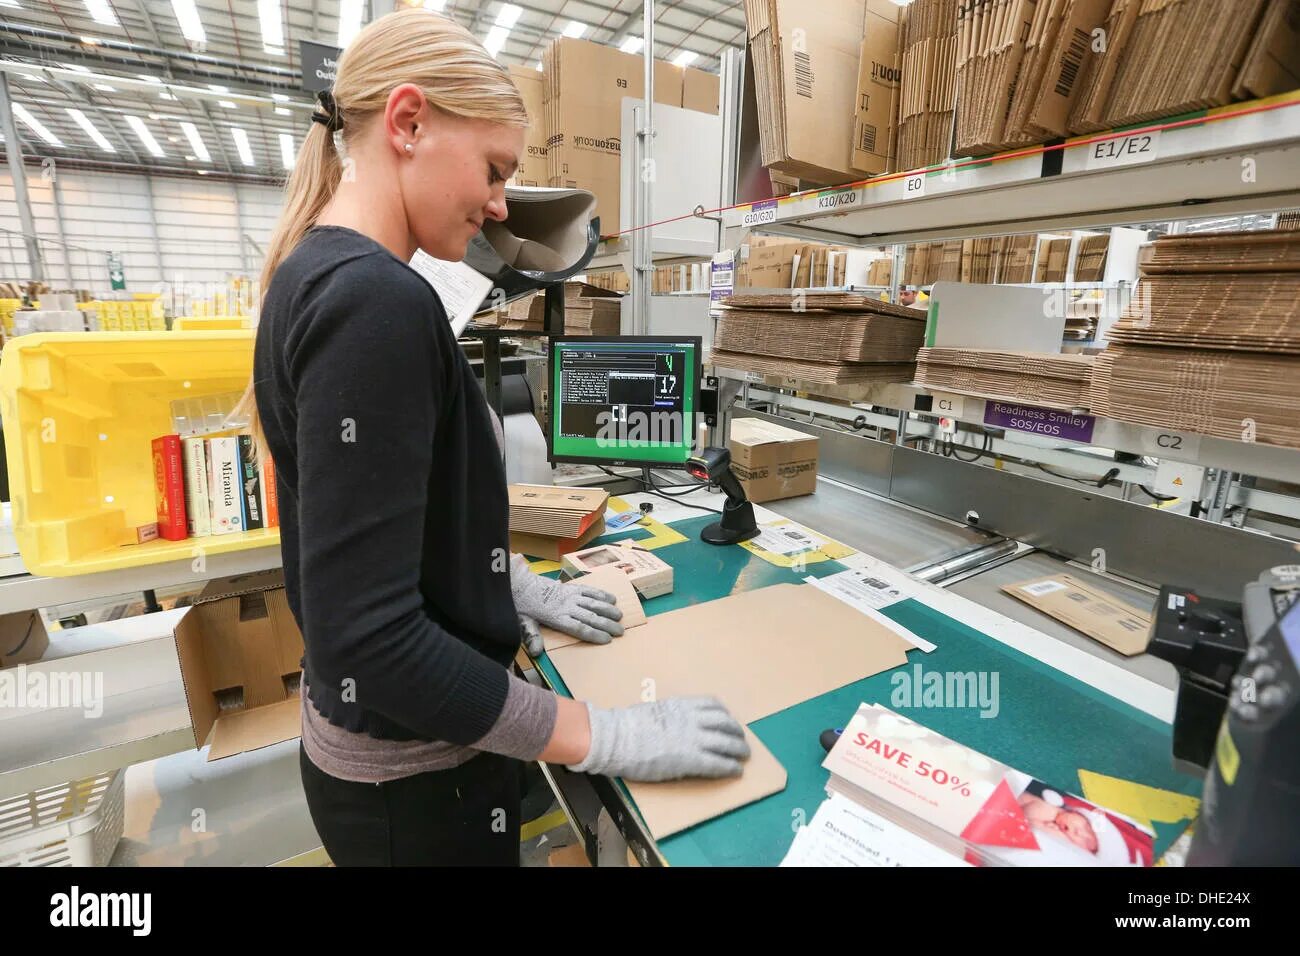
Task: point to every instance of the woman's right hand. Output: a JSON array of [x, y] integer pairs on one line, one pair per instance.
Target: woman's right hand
[[665, 740]]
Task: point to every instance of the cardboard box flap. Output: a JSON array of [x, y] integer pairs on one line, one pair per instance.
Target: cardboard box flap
[[755, 431], [219, 588], [626, 599], [194, 676], [253, 729]]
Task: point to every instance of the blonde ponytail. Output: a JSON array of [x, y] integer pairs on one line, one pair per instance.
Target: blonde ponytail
[[415, 46]]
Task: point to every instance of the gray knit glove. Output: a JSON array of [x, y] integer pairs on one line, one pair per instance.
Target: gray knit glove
[[584, 612], [665, 740]]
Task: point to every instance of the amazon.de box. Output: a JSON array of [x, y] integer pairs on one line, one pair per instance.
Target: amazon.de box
[[771, 461], [240, 649]]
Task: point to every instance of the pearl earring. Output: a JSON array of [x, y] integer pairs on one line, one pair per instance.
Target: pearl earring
[[410, 148]]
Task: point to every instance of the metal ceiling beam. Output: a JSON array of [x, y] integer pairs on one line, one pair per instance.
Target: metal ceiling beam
[[14, 156], [78, 95]]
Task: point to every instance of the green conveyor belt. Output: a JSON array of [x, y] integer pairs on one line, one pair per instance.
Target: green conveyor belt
[[1048, 725]]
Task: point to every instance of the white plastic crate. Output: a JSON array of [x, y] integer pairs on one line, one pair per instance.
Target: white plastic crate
[[72, 824]]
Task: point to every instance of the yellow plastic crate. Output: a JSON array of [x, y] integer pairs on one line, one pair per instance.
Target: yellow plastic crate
[[80, 413], [194, 323]]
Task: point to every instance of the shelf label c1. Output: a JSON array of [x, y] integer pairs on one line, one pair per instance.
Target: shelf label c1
[[1130, 150]]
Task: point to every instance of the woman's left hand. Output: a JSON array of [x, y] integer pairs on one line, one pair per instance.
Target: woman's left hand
[[579, 610]]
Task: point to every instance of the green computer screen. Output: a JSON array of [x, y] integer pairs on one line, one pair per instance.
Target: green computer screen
[[627, 400]]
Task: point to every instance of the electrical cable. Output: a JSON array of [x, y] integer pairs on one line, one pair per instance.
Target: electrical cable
[[658, 490], [1151, 494]]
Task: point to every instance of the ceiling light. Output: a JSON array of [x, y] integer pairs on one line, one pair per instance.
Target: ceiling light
[[281, 111], [32, 77], [632, 45], [146, 137], [575, 29], [149, 79], [202, 172], [273, 50], [437, 6], [280, 97], [76, 68], [187, 15], [496, 39], [196, 141], [10, 3], [189, 158], [286, 150], [101, 12], [104, 87], [349, 21], [241, 145], [36, 125], [228, 104], [685, 58], [91, 41], [268, 12], [173, 139], [89, 129], [218, 89], [508, 16]]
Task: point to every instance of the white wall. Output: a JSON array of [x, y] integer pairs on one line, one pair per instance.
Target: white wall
[[194, 223]]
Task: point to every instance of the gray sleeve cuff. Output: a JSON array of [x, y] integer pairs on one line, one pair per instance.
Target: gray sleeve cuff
[[525, 725]]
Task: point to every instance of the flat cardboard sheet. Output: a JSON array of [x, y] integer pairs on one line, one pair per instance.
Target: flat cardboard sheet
[[759, 652], [1073, 602], [669, 808], [617, 583]]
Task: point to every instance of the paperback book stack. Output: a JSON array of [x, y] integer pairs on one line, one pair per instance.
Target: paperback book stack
[[1036, 378], [210, 486], [969, 805], [1214, 352], [831, 338]]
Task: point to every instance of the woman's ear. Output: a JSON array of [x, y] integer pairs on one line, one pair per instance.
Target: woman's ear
[[403, 116]]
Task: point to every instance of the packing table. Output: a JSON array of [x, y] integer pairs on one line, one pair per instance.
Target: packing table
[[1066, 714]]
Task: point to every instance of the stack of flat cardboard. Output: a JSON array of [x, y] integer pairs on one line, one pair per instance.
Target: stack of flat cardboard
[[1174, 56], [928, 94], [1210, 352], [1288, 221], [588, 310], [1037, 378], [990, 47], [1244, 396], [1090, 259], [822, 335], [807, 57], [1081, 317], [583, 86], [548, 522], [931, 262], [834, 338], [1053, 259]]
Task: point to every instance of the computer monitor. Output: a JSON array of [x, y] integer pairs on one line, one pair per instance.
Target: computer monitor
[[623, 400]]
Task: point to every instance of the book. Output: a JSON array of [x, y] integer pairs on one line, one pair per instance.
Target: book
[[169, 487], [198, 508], [270, 494], [224, 485], [967, 803], [250, 484]]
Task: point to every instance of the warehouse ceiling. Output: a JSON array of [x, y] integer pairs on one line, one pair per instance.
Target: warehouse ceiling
[[153, 84]]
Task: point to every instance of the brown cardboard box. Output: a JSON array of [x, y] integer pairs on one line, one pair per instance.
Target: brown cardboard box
[[532, 169], [584, 86], [1086, 609], [700, 91], [772, 461], [769, 264], [806, 56], [240, 649], [875, 121], [23, 638]]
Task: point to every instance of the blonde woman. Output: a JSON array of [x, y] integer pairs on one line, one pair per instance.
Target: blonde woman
[[392, 490]]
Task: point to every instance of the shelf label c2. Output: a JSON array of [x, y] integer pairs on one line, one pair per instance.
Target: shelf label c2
[[1040, 421], [1130, 150]]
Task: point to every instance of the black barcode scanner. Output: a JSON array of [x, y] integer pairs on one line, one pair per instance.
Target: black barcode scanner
[[713, 464]]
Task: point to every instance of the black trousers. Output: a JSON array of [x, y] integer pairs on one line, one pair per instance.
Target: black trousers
[[466, 816]]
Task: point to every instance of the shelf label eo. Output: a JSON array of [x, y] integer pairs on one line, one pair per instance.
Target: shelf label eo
[[1040, 421], [914, 186], [1131, 150]]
